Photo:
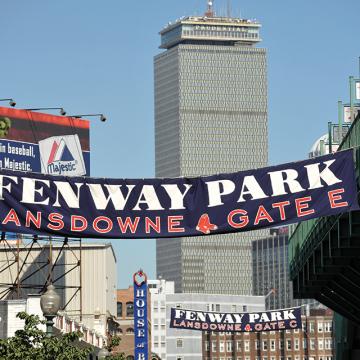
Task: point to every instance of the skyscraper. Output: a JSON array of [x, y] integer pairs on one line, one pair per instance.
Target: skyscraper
[[271, 271], [210, 117]]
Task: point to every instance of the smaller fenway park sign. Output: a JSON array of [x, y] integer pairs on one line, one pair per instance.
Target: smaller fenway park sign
[[236, 322]]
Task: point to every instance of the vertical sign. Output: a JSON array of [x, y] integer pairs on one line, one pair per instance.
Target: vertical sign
[[357, 90], [140, 316]]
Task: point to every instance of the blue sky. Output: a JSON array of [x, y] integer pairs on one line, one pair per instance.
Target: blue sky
[[97, 56]]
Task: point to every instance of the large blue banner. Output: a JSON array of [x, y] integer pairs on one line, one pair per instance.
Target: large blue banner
[[283, 319], [154, 208]]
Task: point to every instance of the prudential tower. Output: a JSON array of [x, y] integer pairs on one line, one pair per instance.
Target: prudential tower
[[210, 117]]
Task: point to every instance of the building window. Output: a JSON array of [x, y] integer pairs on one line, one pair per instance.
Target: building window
[[129, 331], [320, 326], [229, 346], [312, 344], [179, 343], [328, 326], [311, 326], [296, 344], [130, 309], [321, 344], [213, 346], [238, 345], [247, 345], [272, 345], [257, 344], [288, 344], [207, 345], [328, 344], [221, 346], [264, 345], [119, 309]]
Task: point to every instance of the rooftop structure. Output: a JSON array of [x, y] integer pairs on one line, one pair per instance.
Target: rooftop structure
[[220, 30]]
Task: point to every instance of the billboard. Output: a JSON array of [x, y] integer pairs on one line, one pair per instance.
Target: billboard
[[50, 144]]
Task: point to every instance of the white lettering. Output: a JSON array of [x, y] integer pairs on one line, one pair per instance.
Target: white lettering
[[148, 196], [176, 196], [115, 195], [215, 192], [29, 191], [71, 198], [315, 176], [253, 189], [8, 186], [278, 181]]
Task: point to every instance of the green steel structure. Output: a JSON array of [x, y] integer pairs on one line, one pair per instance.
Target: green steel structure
[[324, 258]]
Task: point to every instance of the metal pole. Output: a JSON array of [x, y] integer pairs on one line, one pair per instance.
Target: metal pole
[[49, 325], [340, 119], [18, 268], [351, 84], [81, 281], [330, 137]]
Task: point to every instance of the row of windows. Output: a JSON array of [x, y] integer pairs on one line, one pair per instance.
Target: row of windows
[[272, 345], [296, 357]]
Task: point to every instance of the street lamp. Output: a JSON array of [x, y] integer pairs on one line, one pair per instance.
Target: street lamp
[[10, 100], [62, 111], [102, 117], [50, 305], [103, 353]]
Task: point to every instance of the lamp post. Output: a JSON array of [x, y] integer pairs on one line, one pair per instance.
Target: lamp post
[[10, 100], [50, 305], [61, 110], [102, 117]]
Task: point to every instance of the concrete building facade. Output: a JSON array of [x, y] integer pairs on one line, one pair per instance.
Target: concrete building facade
[[159, 289], [210, 117], [83, 275]]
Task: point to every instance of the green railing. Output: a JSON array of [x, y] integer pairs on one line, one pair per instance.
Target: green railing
[[302, 231]]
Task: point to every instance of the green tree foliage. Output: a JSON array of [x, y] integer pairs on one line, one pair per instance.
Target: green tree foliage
[[114, 341], [32, 343]]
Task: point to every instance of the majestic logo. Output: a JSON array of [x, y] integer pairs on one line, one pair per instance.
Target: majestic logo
[[62, 155]]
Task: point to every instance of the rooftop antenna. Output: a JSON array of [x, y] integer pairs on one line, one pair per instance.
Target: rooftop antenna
[[229, 8], [210, 10]]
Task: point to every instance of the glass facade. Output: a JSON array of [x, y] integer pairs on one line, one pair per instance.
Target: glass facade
[[210, 117], [271, 271]]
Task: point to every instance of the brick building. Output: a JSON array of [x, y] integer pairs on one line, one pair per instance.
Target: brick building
[[125, 319], [313, 342]]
